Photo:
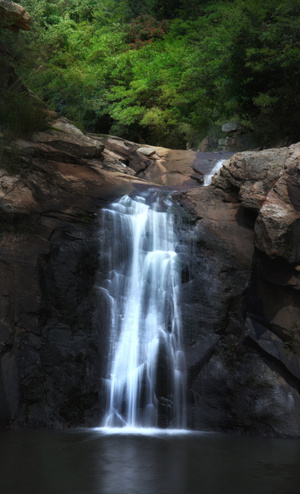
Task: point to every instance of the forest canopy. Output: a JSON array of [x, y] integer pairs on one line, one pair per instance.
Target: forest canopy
[[165, 72]]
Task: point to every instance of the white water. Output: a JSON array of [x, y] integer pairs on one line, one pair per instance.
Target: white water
[[207, 178], [147, 374]]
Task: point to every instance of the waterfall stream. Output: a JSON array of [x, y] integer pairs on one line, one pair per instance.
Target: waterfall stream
[[146, 375], [208, 178]]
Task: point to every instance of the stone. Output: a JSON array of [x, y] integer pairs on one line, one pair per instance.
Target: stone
[[277, 228], [274, 346], [172, 167], [147, 151], [65, 145], [208, 144], [239, 142], [231, 127], [65, 126], [250, 175], [13, 16], [127, 151]]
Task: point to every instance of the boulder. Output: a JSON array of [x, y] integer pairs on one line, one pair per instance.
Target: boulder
[[232, 127], [208, 144], [147, 150], [13, 16], [238, 139], [277, 228], [171, 167], [128, 152], [250, 175], [239, 142]]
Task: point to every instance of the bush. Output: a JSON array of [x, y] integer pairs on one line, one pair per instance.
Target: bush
[[144, 30]]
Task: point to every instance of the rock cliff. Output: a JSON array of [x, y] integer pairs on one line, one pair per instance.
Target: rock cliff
[[240, 272], [244, 330], [52, 345]]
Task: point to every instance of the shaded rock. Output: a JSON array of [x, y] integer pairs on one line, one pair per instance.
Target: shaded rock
[[208, 144], [238, 138], [239, 142], [114, 162], [252, 397], [60, 145], [221, 219], [67, 127], [205, 162], [231, 127], [267, 182], [128, 153], [275, 346], [240, 378]]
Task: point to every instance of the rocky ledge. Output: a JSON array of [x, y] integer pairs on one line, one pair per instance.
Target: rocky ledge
[[240, 271]]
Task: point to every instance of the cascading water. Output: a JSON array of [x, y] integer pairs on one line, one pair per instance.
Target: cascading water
[[146, 377], [208, 178]]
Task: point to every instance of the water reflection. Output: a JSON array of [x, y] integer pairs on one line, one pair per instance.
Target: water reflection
[[93, 462]]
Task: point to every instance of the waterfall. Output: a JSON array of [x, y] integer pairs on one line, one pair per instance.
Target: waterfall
[[146, 375], [209, 176]]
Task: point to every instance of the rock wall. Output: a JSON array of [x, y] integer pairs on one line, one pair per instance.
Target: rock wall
[[242, 330], [240, 271], [52, 338]]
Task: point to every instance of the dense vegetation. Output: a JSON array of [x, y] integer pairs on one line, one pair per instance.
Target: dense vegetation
[[166, 72]]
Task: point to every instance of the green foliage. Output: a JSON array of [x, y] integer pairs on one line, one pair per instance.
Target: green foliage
[[198, 64]]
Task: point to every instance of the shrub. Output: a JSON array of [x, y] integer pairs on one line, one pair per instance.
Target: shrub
[[144, 30]]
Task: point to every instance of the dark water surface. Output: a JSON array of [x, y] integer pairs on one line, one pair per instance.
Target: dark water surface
[[91, 462]]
